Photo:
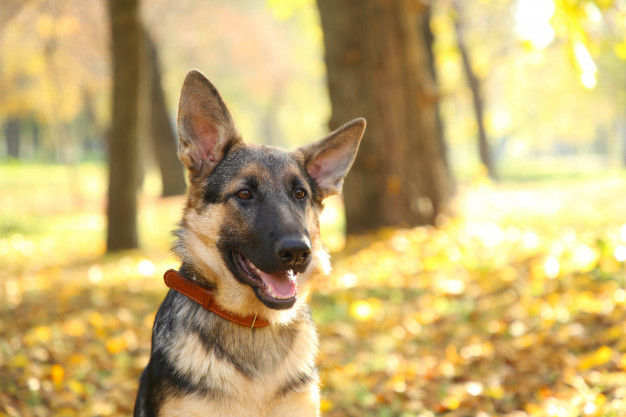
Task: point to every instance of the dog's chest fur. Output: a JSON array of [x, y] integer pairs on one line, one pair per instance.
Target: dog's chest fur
[[221, 368]]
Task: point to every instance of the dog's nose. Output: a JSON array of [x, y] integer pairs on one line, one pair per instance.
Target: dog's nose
[[293, 251]]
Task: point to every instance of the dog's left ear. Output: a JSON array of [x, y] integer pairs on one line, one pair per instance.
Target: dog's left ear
[[327, 161]]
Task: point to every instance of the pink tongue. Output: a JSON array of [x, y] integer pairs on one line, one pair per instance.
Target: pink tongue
[[281, 285]]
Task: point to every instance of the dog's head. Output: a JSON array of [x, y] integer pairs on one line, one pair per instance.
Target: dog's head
[[250, 225]]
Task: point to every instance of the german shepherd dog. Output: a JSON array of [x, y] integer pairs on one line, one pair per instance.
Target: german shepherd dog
[[234, 335]]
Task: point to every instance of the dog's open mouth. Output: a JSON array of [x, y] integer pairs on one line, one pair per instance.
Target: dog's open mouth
[[277, 290]]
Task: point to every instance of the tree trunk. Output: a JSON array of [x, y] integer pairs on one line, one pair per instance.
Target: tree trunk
[[91, 129], [160, 129], [35, 131], [124, 132], [473, 82], [379, 67], [12, 137], [426, 32]]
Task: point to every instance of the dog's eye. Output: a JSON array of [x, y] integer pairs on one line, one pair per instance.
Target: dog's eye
[[244, 194], [300, 194]]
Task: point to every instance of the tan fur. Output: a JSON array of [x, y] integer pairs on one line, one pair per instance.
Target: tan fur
[[244, 396], [297, 404]]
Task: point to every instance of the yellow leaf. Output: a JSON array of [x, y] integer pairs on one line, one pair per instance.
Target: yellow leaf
[[326, 404], [620, 50], [43, 333], [598, 357], [600, 400], [96, 319], [452, 354], [398, 383], [148, 321], [115, 344], [65, 412], [19, 361], [57, 373], [75, 328], [76, 387], [45, 26], [533, 409], [495, 392], [76, 359], [451, 403], [615, 332]]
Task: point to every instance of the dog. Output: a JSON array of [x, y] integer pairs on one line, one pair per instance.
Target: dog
[[234, 335]]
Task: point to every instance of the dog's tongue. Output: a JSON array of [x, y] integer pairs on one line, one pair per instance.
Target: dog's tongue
[[281, 285]]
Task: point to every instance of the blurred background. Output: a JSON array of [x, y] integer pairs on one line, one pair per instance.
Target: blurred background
[[478, 247]]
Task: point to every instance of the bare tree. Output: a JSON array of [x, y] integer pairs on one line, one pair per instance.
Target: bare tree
[[474, 84], [159, 129]]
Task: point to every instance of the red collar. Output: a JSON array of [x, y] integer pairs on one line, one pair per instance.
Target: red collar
[[206, 299]]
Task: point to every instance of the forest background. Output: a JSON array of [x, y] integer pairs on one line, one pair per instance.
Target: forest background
[[508, 300]]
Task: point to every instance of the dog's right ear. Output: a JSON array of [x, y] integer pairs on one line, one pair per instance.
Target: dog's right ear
[[205, 126]]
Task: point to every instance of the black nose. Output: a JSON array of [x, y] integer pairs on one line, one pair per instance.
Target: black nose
[[293, 251]]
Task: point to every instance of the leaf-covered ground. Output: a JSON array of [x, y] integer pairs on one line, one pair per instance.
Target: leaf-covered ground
[[515, 307]]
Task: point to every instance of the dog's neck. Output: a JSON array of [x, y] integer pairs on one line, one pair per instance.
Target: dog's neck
[[205, 297]]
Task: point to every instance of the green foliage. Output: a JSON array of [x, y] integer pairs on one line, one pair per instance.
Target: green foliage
[[515, 309], [549, 77]]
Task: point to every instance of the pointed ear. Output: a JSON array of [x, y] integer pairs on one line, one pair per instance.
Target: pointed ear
[[205, 126], [329, 160]]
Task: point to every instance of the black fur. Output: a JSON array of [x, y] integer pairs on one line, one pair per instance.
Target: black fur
[[302, 379]]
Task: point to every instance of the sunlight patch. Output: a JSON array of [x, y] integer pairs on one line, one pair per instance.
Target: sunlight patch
[[620, 253], [450, 286], [146, 267], [532, 22], [551, 267], [95, 274]]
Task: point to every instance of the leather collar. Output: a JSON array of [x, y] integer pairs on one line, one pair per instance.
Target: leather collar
[[206, 299]]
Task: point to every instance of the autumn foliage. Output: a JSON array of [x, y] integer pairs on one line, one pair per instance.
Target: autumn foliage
[[516, 308]]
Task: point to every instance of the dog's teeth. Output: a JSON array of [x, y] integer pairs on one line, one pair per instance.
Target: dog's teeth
[[274, 295], [252, 267]]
